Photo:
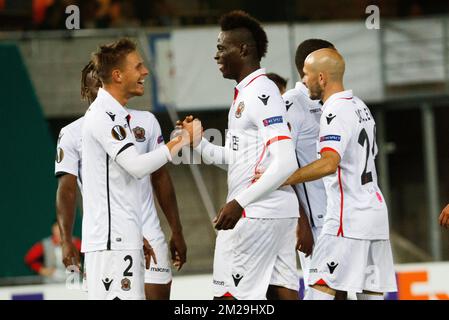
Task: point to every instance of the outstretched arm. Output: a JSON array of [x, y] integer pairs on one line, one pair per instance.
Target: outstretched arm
[[325, 166]]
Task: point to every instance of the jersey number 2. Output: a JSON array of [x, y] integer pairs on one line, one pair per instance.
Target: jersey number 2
[[366, 177], [126, 273]]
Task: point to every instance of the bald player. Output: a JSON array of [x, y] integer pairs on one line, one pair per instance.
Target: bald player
[[353, 252]]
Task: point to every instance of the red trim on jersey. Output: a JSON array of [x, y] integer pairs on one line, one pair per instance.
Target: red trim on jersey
[[236, 91], [328, 149], [340, 229], [263, 74], [227, 294], [236, 94], [321, 282], [279, 138], [243, 214], [272, 140], [345, 98]]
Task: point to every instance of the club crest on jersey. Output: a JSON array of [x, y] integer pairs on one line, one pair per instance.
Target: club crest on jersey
[[139, 134], [59, 155], [240, 108], [126, 284], [273, 120], [118, 133]]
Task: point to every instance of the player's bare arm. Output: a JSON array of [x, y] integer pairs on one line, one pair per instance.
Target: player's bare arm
[[65, 211], [304, 236], [444, 217], [325, 166], [165, 194]]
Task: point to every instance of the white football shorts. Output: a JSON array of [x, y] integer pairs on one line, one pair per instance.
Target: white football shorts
[[353, 264]]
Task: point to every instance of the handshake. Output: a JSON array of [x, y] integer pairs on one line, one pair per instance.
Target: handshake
[[187, 132]]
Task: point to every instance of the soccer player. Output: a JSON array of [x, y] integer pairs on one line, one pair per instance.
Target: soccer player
[[303, 117], [255, 253], [148, 137], [111, 169], [353, 252], [444, 217]]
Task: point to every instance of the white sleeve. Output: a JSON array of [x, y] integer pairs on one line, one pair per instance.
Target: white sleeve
[[335, 129], [211, 153], [67, 156], [156, 138], [141, 165], [282, 165]]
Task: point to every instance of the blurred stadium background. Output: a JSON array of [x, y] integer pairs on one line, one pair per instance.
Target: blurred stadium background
[[401, 70]]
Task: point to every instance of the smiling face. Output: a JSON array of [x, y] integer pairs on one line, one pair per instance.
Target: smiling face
[[132, 74], [228, 55]]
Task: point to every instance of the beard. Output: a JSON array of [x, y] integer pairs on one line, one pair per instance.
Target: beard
[[315, 92]]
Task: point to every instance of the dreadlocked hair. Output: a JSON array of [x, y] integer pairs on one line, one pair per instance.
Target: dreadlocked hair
[[86, 88], [240, 19]]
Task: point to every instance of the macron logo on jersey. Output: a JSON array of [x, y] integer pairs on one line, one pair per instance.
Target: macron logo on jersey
[[331, 137], [273, 120], [160, 139]]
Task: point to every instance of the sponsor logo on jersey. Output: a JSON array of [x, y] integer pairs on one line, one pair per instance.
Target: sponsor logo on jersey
[[139, 134], [118, 133], [59, 155], [218, 283], [316, 110], [157, 269], [160, 139], [107, 283], [237, 277], [264, 98], [330, 137], [240, 108], [332, 265], [330, 117], [126, 284], [273, 120], [288, 104]]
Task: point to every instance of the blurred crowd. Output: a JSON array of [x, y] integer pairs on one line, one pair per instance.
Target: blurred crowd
[[50, 14]]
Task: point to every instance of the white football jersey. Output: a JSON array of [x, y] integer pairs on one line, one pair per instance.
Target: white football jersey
[[147, 132], [256, 119], [355, 205], [68, 151], [301, 115], [112, 206], [148, 135]]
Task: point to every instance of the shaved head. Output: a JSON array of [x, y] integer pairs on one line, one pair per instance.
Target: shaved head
[[328, 61], [323, 71]]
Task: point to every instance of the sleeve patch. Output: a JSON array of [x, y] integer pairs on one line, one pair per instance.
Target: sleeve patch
[[273, 120], [118, 133], [331, 137], [160, 139]]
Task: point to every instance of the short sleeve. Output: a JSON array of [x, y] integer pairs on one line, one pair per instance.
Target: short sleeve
[[267, 111], [114, 135], [335, 130], [67, 154]]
